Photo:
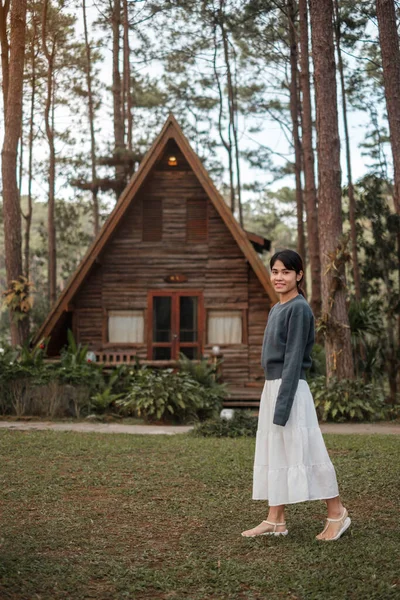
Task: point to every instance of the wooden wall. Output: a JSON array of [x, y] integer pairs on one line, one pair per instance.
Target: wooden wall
[[129, 267]]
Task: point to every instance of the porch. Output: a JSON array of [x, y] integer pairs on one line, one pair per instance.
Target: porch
[[246, 396]]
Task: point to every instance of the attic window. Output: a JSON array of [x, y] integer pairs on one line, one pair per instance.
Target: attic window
[[196, 221], [152, 225], [172, 161]]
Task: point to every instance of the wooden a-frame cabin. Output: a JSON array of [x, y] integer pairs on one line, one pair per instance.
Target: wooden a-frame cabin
[[170, 271]]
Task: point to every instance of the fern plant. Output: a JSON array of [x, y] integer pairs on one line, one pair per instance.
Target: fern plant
[[202, 371]]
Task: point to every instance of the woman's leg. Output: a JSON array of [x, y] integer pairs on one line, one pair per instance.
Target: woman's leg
[[335, 511], [276, 514]]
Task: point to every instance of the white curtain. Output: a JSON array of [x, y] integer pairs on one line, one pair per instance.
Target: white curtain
[[224, 327], [126, 326]]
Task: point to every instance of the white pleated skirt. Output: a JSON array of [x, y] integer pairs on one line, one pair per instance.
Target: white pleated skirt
[[291, 463]]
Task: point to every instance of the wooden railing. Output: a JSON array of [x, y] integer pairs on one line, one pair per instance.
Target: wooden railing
[[126, 358]]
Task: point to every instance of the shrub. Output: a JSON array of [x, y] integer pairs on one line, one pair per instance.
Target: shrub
[[243, 424], [21, 370], [367, 338], [80, 377], [121, 377], [165, 395], [107, 397], [202, 371], [318, 365], [29, 385], [347, 400]]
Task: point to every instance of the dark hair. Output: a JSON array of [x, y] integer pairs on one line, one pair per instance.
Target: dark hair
[[292, 261]]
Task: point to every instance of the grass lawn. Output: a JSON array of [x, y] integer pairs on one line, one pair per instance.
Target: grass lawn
[[159, 517]]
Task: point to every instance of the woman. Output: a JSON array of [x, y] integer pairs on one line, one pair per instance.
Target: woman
[[291, 462]]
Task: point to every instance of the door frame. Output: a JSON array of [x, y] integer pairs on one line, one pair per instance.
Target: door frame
[[175, 342]]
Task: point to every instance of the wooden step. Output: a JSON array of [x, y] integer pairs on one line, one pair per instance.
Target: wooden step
[[243, 404]]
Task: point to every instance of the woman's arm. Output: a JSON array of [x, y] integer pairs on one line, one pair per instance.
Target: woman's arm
[[297, 336]]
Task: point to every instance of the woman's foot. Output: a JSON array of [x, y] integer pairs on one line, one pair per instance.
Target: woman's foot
[[334, 525], [266, 528]]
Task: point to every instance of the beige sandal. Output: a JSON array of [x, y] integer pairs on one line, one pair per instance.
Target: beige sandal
[[345, 525], [274, 532]]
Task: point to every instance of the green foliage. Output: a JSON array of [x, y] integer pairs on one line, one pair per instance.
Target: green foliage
[[377, 240], [108, 396], [122, 377], [365, 318], [347, 400], [29, 385], [373, 322], [77, 369], [165, 395], [73, 355], [202, 371], [104, 399], [367, 337], [243, 424], [318, 365]]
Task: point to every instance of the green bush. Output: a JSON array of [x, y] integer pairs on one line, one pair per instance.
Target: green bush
[[318, 365], [107, 397], [347, 400], [202, 371], [30, 386], [165, 395], [82, 379], [243, 424], [367, 338]]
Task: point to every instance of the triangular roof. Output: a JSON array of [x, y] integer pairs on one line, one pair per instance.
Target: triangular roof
[[170, 130]]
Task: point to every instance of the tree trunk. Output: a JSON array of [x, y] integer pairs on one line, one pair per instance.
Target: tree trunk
[[5, 48], [232, 115], [294, 113], [119, 135], [11, 199], [310, 192], [51, 229], [389, 42], [96, 224], [334, 310], [352, 202], [28, 215], [227, 144], [127, 76]]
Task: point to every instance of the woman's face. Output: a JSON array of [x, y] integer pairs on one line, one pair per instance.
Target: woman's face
[[284, 280]]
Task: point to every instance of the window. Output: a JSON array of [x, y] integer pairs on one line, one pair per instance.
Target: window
[[152, 219], [224, 327], [196, 221], [126, 326]]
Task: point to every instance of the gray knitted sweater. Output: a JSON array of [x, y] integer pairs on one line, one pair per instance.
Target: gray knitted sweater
[[286, 350]]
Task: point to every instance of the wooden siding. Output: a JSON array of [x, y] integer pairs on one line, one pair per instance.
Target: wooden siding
[[128, 268], [259, 306]]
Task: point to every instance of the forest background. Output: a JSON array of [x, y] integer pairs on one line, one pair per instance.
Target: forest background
[[258, 87]]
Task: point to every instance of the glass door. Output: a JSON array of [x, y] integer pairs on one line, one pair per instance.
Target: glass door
[[175, 324], [162, 328], [188, 337]]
